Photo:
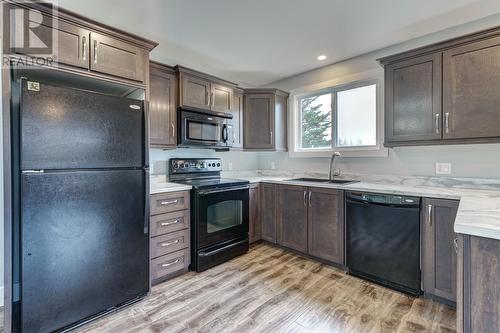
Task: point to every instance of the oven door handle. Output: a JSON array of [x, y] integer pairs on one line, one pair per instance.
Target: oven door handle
[[207, 192], [224, 248]]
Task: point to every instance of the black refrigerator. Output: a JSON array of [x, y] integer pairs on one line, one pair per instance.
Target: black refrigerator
[[83, 202]]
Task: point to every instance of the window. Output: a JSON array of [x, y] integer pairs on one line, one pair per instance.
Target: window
[[338, 118]]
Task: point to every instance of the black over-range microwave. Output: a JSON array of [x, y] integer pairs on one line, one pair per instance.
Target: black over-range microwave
[[205, 129]]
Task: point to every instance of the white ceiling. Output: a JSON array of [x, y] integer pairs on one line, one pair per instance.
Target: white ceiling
[[261, 41]]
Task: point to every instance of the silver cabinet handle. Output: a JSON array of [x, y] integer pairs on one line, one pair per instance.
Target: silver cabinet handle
[[429, 214], [171, 202], [455, 245], [437, 123], [170, 243], [310, 194], [305, 198], [447, 122], [166, 224], [95, 52], [207, 97], [271, 134], [173, 129], [167, 264], [84, 48]]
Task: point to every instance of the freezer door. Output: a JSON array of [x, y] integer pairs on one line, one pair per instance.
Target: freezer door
[[64, 128], [84, 249]]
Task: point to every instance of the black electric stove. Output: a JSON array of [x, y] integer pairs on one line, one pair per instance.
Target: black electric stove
[[219, 211]]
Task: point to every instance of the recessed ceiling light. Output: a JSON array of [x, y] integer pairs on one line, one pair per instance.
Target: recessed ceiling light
[[322, 57]]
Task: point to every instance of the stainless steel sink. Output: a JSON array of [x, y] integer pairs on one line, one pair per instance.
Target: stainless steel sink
[[323, 180]]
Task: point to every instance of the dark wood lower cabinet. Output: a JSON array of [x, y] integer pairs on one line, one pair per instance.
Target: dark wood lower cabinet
[[268, 212], [326, 224], [254, 232], [292, 217], [439, 258], [478, 300]]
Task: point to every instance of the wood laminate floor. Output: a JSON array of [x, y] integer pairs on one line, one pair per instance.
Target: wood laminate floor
[[273, 290]]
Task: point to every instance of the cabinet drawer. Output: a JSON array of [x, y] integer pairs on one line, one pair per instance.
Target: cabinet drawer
[[169, 202], [169, 243], [168, 264], [170, 222]]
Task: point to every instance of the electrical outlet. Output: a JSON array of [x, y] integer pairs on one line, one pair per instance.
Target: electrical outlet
[[443, 168], [273, 165], [230, 166]]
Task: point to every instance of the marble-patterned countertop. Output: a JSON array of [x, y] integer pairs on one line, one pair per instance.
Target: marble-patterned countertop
[[478, 212], [160, 184]]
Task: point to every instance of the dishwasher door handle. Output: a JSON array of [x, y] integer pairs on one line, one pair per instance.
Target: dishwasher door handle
[[369, 203]]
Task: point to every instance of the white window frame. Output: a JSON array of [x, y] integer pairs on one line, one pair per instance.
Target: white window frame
[[345, 83]]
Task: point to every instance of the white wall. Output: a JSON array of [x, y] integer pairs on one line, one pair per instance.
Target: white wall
[[481, 161]]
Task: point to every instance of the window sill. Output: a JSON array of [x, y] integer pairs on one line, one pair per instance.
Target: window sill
[[346, 152]]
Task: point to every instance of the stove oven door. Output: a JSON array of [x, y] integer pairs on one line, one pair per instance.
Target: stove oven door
[[222, 215]]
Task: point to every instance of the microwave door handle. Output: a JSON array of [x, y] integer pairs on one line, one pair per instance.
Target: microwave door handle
[[224, 133]]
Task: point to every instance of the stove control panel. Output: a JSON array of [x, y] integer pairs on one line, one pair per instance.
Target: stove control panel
[[192, 165]]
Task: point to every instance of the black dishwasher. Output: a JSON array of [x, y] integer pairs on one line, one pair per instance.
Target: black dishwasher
[[383, 239]]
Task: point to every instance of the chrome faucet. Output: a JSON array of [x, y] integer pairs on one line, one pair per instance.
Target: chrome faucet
[[332, 161]]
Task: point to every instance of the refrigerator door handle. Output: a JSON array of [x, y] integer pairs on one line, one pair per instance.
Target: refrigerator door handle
[[146, 202]]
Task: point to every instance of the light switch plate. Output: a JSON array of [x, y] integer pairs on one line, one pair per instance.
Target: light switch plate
[[443, 168]]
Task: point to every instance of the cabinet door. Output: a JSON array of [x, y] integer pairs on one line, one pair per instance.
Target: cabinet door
[[438, 253], [72, 41], [221, 98], [413, 99], [195, 92], [292, 217], [237, 121], [471, 82], [268, 212], [162, 111], [326, 224], [259, 121], [254, 218], [114, 57]]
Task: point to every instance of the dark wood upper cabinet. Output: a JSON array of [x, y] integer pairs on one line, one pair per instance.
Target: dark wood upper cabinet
[[195, 92], [254, 232], [326, 224], [265, 119], [268, 212], [203, 91], [221, 98], [445, 93], [471, 90], [292, 217], [439, 258], [162, 106], [237, 112], [115, 57], [413, 99]]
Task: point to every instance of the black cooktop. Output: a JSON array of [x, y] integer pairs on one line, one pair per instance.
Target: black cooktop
[[212, 182]]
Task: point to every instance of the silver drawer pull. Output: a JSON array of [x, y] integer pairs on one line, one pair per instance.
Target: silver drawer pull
[[171, 202], [167, 264], [166, 224], [170, 243]]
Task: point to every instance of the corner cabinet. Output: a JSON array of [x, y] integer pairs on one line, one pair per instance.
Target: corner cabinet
[[237, 112], [446, 93], [202, 91], [439, 241], [162, 106], [265, 119]]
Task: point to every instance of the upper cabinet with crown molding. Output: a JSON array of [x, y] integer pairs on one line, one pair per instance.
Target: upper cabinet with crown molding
[[446, 93]]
